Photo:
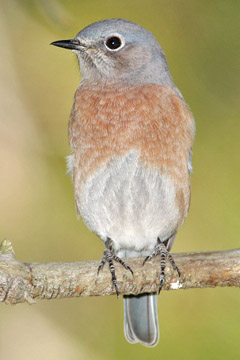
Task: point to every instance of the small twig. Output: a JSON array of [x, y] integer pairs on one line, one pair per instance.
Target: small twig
[[24, 282]]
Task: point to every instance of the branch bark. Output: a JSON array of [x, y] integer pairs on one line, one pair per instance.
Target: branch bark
[[26, 282]]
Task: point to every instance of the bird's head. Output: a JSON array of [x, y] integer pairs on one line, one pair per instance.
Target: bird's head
[[118, 50]]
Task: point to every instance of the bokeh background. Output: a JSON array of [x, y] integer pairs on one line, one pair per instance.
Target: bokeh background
[[37, 213]]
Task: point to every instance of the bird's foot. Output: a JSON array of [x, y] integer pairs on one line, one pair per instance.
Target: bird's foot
[[161, 249], [109, 256]]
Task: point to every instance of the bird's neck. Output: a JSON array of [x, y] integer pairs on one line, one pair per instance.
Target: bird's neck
[[105, 84]]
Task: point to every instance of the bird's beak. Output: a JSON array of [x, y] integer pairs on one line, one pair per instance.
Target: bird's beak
[[72, 44]]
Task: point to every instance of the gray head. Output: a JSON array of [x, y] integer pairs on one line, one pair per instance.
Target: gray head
[[119, 50]]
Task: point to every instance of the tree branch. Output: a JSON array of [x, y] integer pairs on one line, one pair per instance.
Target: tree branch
[[24, 282]]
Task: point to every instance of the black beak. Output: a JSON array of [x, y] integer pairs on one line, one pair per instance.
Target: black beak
[[72, 44]]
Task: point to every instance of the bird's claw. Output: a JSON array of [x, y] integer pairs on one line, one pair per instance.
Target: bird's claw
[[161, 249], [109, 256]]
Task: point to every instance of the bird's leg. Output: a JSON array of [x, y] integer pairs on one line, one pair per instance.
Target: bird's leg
[[161, 249], [109, 256]]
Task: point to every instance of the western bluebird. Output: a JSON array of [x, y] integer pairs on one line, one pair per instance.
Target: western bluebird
[[131, 134]]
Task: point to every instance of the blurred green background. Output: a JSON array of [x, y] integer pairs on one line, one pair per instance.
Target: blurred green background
[[37, 84]]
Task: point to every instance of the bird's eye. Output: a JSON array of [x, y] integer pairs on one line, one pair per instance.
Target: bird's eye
[[113, 43]]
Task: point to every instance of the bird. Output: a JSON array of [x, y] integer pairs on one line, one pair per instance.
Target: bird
[[131, 134]]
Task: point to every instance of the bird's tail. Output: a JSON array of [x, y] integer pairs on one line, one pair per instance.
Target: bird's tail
[[141, 319], [140, 312]]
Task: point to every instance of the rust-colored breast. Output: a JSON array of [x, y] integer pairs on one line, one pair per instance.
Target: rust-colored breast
[[109, 122]]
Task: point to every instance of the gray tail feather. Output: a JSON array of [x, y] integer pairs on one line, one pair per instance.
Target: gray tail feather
[[141, 319]]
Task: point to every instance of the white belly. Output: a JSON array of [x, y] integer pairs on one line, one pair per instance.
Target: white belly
[[130, 204]]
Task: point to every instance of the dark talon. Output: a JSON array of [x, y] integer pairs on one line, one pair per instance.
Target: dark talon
[[146, 259], [161, 249], [109, 256], [172, 262], [101, 264]]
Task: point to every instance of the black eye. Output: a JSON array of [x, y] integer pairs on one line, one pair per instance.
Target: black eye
[[113, 43]]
